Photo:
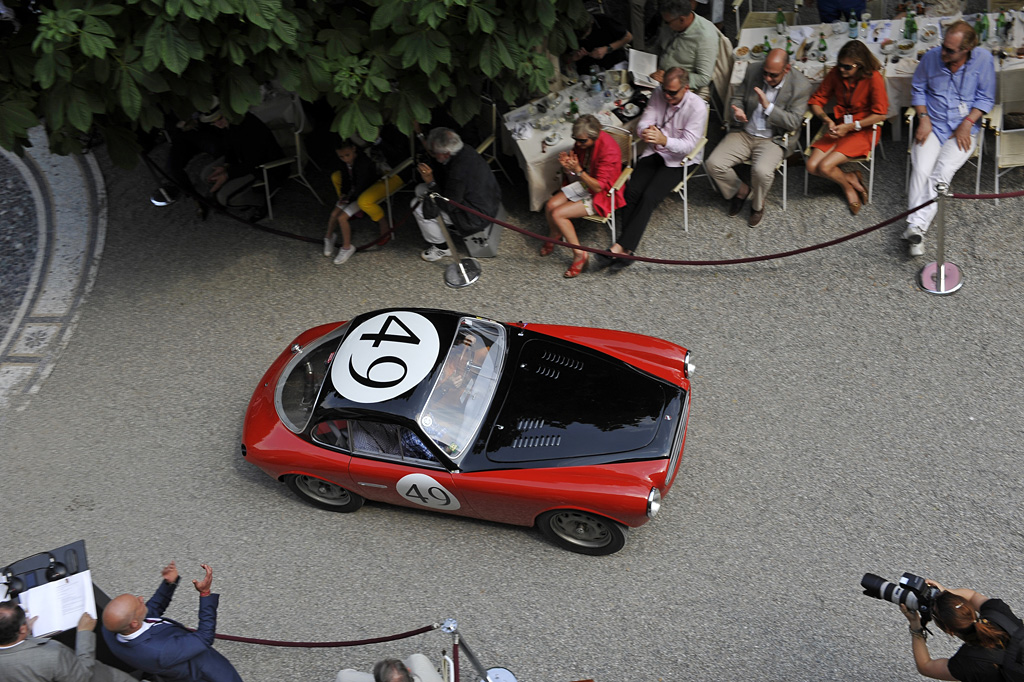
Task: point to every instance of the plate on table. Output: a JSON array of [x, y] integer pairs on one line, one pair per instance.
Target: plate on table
[[742, 53], [929, 33], [631, 110], [757, 52], [553, 138], [840, 27]]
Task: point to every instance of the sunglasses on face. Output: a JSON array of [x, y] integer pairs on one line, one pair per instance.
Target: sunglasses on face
[[769, 74], [847, 67], [581, 140], [672, 93], [950, 50]]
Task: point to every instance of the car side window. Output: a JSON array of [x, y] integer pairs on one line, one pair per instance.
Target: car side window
[[333, 432], [390, 441]]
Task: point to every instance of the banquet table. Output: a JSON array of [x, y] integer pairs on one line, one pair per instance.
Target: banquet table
[[898, 74], [538, 137]]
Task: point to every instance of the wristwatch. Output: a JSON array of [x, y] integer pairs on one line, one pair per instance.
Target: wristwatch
[[856, 125]]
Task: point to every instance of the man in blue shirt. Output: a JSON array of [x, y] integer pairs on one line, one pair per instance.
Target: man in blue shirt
[[953, 87]]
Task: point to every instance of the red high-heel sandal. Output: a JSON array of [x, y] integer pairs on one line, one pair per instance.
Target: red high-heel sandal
[[548, 247], [578, 266]]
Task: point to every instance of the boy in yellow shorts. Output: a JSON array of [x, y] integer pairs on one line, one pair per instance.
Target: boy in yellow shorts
[[357, 178]]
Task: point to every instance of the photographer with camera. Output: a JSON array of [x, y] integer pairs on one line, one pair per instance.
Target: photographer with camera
[[990, 631]]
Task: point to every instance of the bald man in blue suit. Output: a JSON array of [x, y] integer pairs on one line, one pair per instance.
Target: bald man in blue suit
[[136, 633]]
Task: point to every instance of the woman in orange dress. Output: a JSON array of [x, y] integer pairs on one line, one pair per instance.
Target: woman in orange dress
[[857, 86]]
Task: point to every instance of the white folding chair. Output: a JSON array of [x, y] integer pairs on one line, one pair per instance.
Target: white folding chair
[[690, 171], [289, 125], [626, 143], [488, 148], [1009, 145], [867, 162], [720, 80]]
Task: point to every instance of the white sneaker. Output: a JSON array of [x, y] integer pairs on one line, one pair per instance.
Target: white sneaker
[[433, 254], [915, 240], [344, 255], [328, 246]]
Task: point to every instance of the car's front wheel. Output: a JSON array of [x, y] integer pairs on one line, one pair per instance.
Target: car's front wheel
[[582, 532], [324, 494]]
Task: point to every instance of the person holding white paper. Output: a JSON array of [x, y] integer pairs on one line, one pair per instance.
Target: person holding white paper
[[24, 658]]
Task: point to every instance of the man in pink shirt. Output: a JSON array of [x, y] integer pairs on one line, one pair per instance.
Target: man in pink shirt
[[671, 125]]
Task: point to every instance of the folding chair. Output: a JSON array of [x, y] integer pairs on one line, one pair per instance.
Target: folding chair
[[625, 139], [490, 143], [1009, 153], [288, 127], [690, 171], [867, 162], [976, 155], [720, 79]]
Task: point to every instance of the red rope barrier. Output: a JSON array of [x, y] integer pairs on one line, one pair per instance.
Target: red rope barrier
[[315, 645], [666, 261], [381, 239], [1001, 195]]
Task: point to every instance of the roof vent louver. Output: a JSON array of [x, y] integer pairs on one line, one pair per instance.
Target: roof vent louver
[[561, 360], [537, 441]]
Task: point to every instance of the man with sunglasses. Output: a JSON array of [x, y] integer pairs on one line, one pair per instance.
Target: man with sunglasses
[[770, 103], [671, 125], [953, 87], [687, 40]]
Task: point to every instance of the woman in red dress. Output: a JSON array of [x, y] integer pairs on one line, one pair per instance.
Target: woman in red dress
[[858, 88], [589, 171]]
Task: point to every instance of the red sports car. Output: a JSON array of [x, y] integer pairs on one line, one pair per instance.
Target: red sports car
[[578, 431]]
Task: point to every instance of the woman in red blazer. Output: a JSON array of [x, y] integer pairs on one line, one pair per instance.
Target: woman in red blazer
[[589, 171]]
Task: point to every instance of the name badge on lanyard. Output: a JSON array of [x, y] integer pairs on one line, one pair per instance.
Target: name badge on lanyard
[[963, 109], [847, 118]]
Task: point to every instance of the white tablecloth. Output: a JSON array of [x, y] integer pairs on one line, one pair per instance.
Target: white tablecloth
[[539, 161], [898, 76]]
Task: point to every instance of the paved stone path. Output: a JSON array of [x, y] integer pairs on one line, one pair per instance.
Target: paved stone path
[[53, 223]]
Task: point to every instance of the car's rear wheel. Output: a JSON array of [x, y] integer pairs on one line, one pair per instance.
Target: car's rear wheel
[[582, 532], [324, 494]]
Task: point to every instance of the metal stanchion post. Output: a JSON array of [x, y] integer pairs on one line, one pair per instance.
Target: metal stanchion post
[[941, 277]]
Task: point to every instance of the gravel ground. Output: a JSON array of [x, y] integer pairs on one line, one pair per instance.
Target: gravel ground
[[843, 422]]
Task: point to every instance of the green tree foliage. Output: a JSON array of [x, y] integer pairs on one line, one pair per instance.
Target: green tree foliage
[[114, 68]]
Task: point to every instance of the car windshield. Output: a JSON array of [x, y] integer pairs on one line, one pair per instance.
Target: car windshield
[[465, 386]]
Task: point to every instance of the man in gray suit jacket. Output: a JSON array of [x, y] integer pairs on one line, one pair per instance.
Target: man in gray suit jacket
[[29, 659], [770, 102]]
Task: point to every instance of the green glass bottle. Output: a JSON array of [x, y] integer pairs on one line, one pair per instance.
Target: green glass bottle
[[780, 22], [1001, 26], [981, 27], [767, 46], [822, 45], [910, 27]]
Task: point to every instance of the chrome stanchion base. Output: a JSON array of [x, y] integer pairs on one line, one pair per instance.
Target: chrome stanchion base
[[949, 283], [462, 273], [500, 675]]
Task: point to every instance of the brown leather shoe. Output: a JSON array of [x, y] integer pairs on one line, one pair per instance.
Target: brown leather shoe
[[755, 217]]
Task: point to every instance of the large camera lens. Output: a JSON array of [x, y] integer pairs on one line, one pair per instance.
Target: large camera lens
[[880, 588]]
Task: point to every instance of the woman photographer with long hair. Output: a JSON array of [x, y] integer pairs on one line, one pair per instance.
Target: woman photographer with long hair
[[964, 614]]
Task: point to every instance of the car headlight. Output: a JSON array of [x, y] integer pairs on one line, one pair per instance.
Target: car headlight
[[688, 367], [653, 502]]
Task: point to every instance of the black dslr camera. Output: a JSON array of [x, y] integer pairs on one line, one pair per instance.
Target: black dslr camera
[[912, 590]]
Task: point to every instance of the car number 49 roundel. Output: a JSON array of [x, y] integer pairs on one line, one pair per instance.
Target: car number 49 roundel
[[422, 489]]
